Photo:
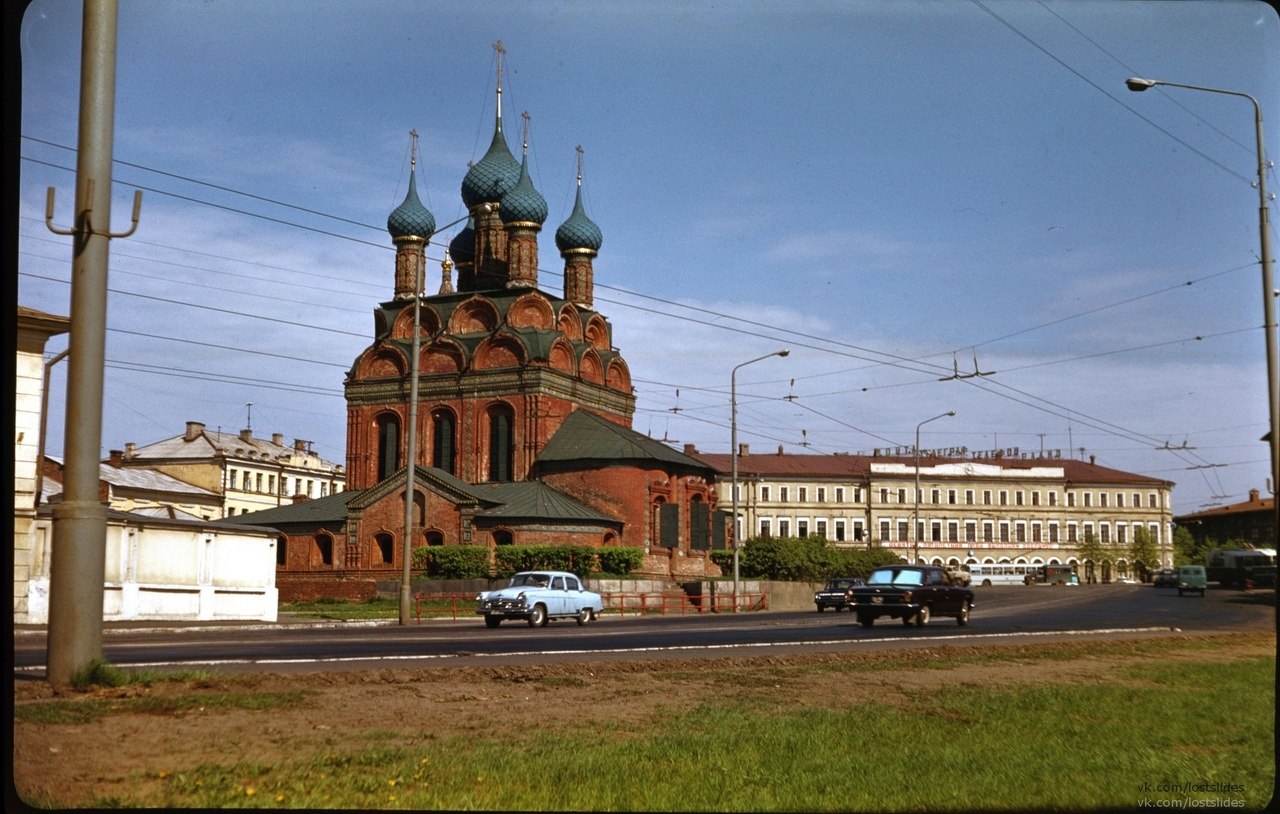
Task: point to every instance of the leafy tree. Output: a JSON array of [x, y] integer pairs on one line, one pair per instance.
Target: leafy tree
[[1143, 549]]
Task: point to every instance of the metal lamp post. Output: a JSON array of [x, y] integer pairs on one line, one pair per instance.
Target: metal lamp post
[[411, 451], [1138, 84], [915, 515], [733, 457]]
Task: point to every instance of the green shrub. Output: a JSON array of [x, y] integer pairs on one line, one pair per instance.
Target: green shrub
[[801, 559], [579, 560], [617, 561], [453, 561]]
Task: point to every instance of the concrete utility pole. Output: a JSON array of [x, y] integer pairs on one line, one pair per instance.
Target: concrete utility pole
[[78, 557]]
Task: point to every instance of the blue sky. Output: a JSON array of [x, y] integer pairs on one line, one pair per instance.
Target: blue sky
[[882, 187]]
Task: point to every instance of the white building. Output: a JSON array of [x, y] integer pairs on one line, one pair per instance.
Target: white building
[[968, 511]]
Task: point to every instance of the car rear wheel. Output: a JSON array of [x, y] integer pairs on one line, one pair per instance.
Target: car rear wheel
[[585, 615], [492, 621], [963, 617], [866, 619], [922, 616], [821, 608], [538, 618]]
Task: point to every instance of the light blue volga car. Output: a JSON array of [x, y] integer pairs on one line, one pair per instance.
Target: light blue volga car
[[537, 596]]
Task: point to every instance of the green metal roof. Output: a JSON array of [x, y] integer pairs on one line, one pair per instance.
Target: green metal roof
[[329, 509], [585, 436], [534, 500]]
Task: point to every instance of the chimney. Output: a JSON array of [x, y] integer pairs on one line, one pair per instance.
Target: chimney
[[299, 445], [1093, 460], [1253, 495], [277, 439], [246, 435], [779, 449], [116, 459], [194, 431], [129, 449], [743, 450], [299, 497], [690, 449]]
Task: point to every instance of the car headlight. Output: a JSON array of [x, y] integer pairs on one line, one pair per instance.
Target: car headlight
[[906, 596]]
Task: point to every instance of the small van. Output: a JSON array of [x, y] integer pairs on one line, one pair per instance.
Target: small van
[[1191, 578]]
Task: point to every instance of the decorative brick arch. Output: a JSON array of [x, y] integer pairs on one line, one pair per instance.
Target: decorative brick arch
[[590, 368], [476, 315], [570, 323], [618, 376], [443, 356], [381, 362], [499, 352], [428, 323], [531, 311], [596, 332], [561, 357]]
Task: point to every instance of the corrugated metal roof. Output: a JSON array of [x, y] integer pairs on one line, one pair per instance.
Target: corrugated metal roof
[[210, 443], [133, 478], [585, 436], [331, 509]]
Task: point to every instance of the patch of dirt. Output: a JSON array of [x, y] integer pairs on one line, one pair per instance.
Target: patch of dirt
[[76, 764]]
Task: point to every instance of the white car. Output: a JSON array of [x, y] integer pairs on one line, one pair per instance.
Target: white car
[[538, 596]]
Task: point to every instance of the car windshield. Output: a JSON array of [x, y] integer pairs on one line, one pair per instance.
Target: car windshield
[[895, 576], [530, 580]]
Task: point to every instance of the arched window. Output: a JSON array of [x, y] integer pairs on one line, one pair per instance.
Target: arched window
[[386, 547], [435, 538], [502, 445], [324, 548], [388, 445], [443, 440], [502, 537], [282, 551]]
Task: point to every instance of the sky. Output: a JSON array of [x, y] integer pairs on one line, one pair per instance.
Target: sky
[[893, 191]]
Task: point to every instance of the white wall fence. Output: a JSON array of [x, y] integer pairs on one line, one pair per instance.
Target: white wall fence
[[170, 571]]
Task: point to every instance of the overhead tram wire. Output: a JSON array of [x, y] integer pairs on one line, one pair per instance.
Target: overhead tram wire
[[901, 359]]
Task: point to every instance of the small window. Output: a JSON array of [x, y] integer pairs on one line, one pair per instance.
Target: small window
[[557, 584]]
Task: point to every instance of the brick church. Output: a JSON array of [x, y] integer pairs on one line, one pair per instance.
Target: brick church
[[519, 421]]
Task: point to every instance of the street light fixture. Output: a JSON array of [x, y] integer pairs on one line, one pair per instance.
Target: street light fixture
[[915, 515], [733, 457], [1137, 84]]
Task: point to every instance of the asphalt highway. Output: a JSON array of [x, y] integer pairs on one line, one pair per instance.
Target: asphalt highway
[[1001, 615]]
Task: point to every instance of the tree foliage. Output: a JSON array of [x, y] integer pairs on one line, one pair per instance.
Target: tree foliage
[[802, 559]]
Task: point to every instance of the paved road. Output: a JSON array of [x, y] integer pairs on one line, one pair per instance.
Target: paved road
[[1001, 615]]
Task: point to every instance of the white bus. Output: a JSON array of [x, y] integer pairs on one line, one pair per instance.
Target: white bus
[[1001, 574]]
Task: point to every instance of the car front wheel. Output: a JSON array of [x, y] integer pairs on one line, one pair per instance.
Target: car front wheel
[[585, 615], [538, 618], [866, 619], [492, 621]]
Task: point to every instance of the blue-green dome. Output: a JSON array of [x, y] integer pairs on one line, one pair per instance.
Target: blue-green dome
[[523, 203], [411, 218], [463, 246], [492, 176], [579, 231]]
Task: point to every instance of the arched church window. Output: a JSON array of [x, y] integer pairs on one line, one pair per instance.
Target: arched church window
[[388, 445], [443, 440], [386, 548], [502, 445]]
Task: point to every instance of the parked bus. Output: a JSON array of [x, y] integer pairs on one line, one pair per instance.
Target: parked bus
[[1231, 568], [1056, 574], [1001, 574]]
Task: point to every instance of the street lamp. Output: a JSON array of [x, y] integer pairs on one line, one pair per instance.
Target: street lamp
[[1137, 85], [733, 457], [915, 515]]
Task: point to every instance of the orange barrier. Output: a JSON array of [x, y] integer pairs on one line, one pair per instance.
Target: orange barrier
[[455, 604]]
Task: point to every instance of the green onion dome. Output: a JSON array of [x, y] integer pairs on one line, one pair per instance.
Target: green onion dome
[[579, 231], [493, 176], [411, 218], [523, 203], [463, 246]]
